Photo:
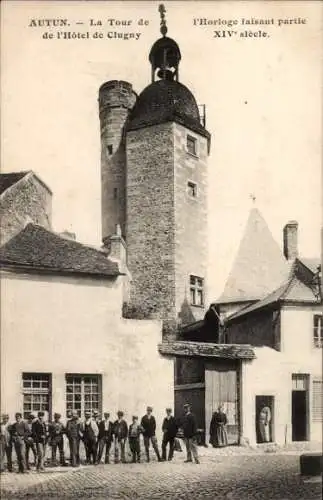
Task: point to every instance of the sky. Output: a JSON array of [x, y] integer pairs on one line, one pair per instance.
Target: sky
[[262, 95]]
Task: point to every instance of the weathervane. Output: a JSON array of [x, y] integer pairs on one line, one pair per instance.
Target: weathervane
[[162, 11]]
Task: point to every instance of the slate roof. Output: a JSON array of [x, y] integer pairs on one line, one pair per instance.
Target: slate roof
[[207, 349], [36, 248], [259, 266], [164, 101], [9, 179], [292, 290], [311, 263]]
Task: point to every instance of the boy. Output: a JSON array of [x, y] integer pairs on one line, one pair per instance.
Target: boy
[[134, 439]]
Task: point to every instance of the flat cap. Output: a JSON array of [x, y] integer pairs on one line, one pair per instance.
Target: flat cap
[[120, 413], [57, 415], [18, 414], [149, 408], [40, 414]]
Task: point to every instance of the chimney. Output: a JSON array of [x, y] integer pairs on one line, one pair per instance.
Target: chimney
[[290, 240], [117, 248]]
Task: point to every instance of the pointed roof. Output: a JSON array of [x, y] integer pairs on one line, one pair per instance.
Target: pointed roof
[[259, 267]]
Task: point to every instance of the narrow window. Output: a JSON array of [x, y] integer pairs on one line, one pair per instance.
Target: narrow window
[[318, 330], [191, 145], [110, 149], [83, 393], [192, 189], [196, 291], [115, 193], [36, 393]]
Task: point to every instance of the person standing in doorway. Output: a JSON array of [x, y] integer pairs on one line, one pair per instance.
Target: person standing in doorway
[[39, 434], [120, 431], [148, 423], [19, 432], [169, 429], [105, 438], [6, 443], [189, 426], [264, 423], [218, 432]]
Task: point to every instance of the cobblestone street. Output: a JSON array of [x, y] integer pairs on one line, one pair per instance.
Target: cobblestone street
[[230, 477]]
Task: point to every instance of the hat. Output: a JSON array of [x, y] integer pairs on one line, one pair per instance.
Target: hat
[[106, 414], [134, 417], [87, 413], [96, 413], [18, 414], [40, 414], [75, 414], [168, 409], [57, 415], [187, 405], [149, 408], [120, 413]]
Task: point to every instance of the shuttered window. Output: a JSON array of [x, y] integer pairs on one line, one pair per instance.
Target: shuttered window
[[317, 400]]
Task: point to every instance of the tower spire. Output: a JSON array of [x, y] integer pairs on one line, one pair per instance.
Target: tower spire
[[162, 12]]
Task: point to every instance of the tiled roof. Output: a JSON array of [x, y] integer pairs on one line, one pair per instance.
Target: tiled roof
[[36, 248], [206, 349], [293, 290], [9, 179], [259, 267]]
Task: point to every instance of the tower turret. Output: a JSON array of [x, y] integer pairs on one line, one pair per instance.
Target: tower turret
[[166, 203], [116, 99]]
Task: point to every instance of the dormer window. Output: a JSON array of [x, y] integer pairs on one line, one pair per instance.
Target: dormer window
[[318, 330]]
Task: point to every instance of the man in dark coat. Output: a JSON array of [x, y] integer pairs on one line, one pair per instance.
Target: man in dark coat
[[105, 438], [120, 431], [30, 443], [19, 431], [56, 432], [148, 423], [39, 434], [73, 433], [169, 429], [189, 426], [90, 432], [134, 439]]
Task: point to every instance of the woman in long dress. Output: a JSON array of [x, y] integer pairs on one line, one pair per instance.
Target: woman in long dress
[[218, 432]]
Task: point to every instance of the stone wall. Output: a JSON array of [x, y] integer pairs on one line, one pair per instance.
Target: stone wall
[[116, 98], [151, 221], [191, 231], [166, 228], [29, 200]]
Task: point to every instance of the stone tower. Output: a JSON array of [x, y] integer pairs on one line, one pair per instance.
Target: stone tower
[[116, 98], [166, 146]]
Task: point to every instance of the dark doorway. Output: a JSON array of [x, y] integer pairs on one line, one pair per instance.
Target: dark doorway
[[299, 407], [299, 420], [262, 403]]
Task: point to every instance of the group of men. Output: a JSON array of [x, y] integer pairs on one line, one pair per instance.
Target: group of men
[[97, 435]]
